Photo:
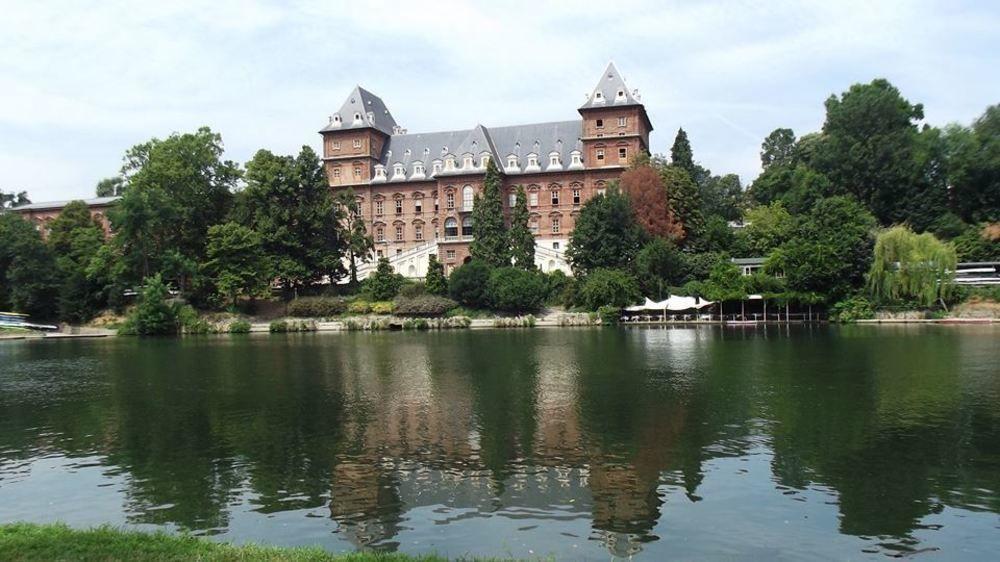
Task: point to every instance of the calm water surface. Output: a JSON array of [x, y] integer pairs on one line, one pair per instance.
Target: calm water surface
[[707, 443]]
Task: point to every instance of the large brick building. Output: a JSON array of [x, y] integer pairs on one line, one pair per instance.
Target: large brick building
[[416, 189]]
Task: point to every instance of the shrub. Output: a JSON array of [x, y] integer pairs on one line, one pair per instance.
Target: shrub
[[278, 327], [852, 309], [609, 287], [382, 307], [515, 290], [515, 322], [317, 307], [555, 284], [436, 283], [467, 284], [359, 307], [423, 306], [384, 283], [411, 290], [239, 327], [609, 314], [153, 316]]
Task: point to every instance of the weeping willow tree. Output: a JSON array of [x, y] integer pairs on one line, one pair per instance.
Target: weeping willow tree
[[912, 266]]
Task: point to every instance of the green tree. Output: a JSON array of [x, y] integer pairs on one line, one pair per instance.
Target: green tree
[[154, 315], [725, 283], [490, 242], [467, 284], [869, 149], [767, 227], [176, 189], [658, 266], [435, 282], [973, 156], [385, 283], [609, 287], [512, 289], [722, 196], [681, 154], [237, 263], [606, 234], [829, 251], [522, 241], [685, 201], [360, 244], [911, 266], [979, 243], [288, 202], [28, 275], [777, 148], [110, 187], [75, 238]]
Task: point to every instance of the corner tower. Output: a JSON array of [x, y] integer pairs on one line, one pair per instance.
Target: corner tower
[[615, 125], [354, 138]]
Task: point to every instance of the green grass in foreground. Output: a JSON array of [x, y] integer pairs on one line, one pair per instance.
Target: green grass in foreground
[[23, 542]]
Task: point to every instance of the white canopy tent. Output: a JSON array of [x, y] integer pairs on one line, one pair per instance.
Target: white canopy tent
[[673, 303]]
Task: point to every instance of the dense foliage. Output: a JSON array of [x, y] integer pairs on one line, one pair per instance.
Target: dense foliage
[[467, 284], [490, 243], [606, 234], [911, 266], [512, 289]]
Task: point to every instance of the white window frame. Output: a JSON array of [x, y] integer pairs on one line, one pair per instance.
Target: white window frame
[[357, 143], [533, 199], [623, 121]]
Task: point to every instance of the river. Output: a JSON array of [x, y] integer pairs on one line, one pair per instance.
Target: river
[[708, 443]]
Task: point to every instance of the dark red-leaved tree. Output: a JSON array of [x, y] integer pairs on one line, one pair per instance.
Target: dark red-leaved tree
[[652, 206]]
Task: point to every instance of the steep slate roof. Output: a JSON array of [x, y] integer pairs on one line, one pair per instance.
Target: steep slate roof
[[609, 85], [373, 112], [49, 205], [542, 139]]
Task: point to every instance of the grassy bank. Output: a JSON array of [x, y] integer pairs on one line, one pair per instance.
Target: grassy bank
[[22, 542]]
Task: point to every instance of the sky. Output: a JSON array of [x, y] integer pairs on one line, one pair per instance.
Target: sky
[[81, 82]]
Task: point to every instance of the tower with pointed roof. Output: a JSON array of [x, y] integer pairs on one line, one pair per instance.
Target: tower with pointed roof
[[416, 190], [615, 124]]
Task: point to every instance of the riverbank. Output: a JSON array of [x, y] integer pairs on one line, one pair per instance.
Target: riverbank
[[24, 542]]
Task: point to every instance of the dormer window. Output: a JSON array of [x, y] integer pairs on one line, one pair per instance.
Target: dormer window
[[449, 163], [512, 162], [467, 161], [418, 169], [436, 167], [574, 159], [532, 161], [357, 117], [598, 96], [620, 96], [398, 172], [379, 172], [484, 160], [554, 159]]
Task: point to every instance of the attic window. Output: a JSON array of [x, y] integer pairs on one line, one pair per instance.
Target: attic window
[[336, 118], [553, 159], [484, 160], [467, 161], [357, 117], [621, 95], [575, 158], [512, 161], [532, 161], [598, 95]]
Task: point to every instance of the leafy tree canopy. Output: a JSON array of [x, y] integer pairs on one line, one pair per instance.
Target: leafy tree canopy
[[648, 195], [522, 241], [606, 233], [911, 266]]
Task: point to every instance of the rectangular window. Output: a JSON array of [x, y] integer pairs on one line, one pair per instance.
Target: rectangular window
[[399, 233], [622, 154], [449, 200], [513, 199], [622, 121], [600, 123], [555, 225], [437, 205], [600, 155], [378, 253], [576, 196], [357, 143], [357, 171], [418, 206], [380, 236], [399, 206], [533, 199], [336, 173], [555, 245], [450, 254], [533, 226], [555, 197], [336, 145], [379, 207], [418, 232]]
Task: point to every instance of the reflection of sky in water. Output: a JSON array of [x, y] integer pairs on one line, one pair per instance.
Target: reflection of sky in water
[[690, 443]]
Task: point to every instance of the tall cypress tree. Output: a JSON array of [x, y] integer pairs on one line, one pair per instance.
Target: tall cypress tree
[[490, 243], [522, 241], [681, 154]]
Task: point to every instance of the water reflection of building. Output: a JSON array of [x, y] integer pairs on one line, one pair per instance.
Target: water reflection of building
[[422, 432]]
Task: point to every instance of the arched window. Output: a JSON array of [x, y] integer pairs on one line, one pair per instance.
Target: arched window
[[450, 228], [467, 226], [467, 197]]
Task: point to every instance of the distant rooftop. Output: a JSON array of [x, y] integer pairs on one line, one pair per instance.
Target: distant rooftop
[[49, 205]]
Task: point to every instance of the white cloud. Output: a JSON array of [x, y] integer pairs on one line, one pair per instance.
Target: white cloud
[[79, 84]]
